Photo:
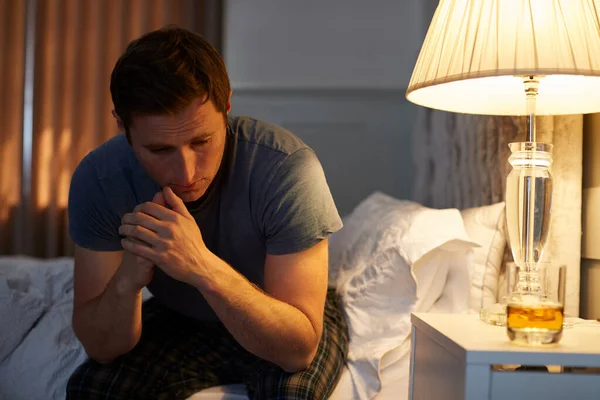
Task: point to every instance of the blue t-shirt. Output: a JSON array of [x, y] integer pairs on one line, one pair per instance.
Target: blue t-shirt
[[270, 196]]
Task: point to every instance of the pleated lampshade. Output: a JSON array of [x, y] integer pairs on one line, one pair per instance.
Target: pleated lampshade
[[477, 52]]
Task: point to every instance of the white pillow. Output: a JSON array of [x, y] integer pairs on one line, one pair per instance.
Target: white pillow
[[391, 258], [485, 226], [454, 298]]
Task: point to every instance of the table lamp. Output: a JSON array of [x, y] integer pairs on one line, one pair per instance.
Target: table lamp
[[514, 57]]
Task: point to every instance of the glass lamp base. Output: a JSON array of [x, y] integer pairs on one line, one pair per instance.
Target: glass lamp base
[[534, 336]]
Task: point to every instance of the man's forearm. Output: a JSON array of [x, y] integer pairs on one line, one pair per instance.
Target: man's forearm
[[110, 324], [266, 327]]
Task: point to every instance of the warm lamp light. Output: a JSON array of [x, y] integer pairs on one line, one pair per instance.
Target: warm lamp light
[[515, 57], [476, 54]]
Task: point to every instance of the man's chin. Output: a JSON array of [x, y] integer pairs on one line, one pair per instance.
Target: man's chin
[[189, 196]]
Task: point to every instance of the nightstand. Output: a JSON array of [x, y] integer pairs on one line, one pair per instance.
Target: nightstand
[[456, 357]]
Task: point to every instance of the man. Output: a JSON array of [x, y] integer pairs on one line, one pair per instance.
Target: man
[[225, 220]]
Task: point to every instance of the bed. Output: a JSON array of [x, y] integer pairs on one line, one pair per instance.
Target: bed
[[444, 252], [387, 262]]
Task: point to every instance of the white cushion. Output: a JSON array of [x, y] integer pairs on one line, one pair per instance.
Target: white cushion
[[391, 258], [485, 226]]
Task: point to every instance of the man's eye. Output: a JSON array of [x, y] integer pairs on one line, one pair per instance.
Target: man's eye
[[200, 142], [159, 150]]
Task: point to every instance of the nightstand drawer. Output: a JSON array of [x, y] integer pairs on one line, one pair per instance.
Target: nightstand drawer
[[527, 385]]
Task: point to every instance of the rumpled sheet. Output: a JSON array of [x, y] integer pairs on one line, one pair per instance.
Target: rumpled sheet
[[40, 348]]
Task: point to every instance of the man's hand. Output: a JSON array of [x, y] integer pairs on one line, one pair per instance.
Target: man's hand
[[170, 239], [135, 270]]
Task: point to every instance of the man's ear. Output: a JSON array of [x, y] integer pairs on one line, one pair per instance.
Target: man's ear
[[120, 123]]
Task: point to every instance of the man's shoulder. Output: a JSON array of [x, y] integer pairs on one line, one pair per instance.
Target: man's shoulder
[[100, 194], [112, 156], [265, 135]]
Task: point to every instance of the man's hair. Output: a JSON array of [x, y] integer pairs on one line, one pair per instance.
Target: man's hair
[[164, 71]]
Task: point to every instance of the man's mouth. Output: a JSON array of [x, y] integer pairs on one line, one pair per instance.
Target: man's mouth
[[185, 187]]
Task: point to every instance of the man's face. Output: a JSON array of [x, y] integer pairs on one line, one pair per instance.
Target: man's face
[[183, 150]]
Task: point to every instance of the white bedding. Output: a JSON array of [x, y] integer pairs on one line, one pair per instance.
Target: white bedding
[[46, 351]]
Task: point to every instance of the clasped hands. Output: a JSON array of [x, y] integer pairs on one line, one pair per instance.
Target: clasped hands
[[166, 238]]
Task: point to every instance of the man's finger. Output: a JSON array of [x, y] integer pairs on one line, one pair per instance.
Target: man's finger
[[145, 220], [139, 249], [159, 198], [141, 233], [174, 201], [155, 210]]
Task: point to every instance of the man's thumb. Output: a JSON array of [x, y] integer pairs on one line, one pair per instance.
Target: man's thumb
[[159, 198], [174, 201]]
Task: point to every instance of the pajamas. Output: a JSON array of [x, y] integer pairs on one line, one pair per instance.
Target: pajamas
[[178, 356]]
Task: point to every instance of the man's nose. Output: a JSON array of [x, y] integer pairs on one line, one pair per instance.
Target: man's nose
[[186, 166]]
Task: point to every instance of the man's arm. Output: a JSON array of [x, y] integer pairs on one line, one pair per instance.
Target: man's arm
[[107, 301], [107, 304], [282, 325]]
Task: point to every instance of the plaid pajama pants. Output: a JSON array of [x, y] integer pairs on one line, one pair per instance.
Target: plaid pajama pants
[[178, 356]]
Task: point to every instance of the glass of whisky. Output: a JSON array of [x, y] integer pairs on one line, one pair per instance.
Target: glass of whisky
[[535, 304]]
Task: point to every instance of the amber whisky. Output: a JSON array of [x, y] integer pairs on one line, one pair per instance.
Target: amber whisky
[[542, 316]]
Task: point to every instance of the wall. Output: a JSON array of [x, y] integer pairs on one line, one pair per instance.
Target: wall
[[335, 73], [315, 43], [590, 263]]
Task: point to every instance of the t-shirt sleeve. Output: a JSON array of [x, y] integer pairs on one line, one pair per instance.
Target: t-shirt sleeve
[[92, 224], [299, 209]]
